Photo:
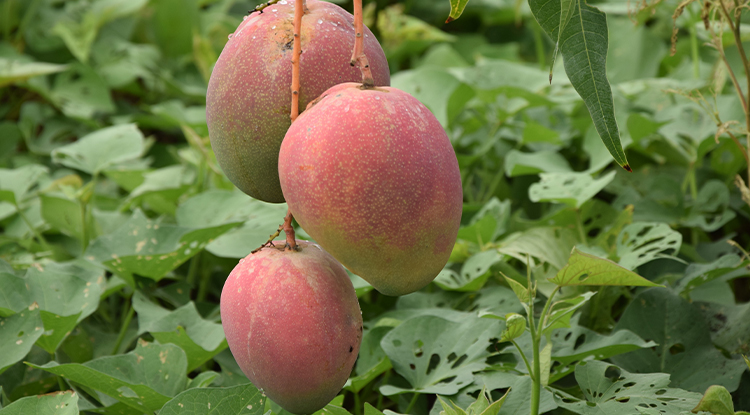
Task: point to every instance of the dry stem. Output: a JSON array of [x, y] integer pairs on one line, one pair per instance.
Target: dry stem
[[299, 7], [358, 55]]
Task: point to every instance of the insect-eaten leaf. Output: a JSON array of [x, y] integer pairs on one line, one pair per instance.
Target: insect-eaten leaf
[[586, 269]]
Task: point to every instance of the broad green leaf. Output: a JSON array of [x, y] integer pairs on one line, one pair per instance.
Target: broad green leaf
[[218, 207], [236, 400], [13, 71], [18, 334], [81, 93], [161, 188], [200, 339], [710, 210], [550, 245], [150, 248], [642, 242], [573, 189], [437, 355], [566, 11], [57, 403], [473, 275], [144, 379], [699, 274], [684, 350], [515, 325], [62, 213], [521, 164], [517, 401], [15, 185], [457, 7], [561, 311], [716, 400], [14, 295], [586, 269], [728, 326], [437, 88], [583, 44], [102, 149], [608, 389]]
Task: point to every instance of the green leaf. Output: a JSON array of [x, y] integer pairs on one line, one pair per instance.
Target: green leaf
[[101, 149], [457, 7], [561, 311], [150, 248], [515, 325], [608, 389], [727, 324], [716, 400], [17, 70], [200, 339], [15, 185], [437, 355], [144, 379], [521, 164], [585, 269], [710, 210], [451, 409], [573, 189], [17, 335], [699, 274], [521, 292], [473, 275], [57, 403], [236, 400], [548, 244], [14, 295], [488, 224], [583, 44], [684, 350], [642, 242], [517, 401]]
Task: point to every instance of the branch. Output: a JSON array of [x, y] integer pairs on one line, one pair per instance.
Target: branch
[[358, 55]]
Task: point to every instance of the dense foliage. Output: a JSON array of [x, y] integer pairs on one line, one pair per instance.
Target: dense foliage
[[119, 228]]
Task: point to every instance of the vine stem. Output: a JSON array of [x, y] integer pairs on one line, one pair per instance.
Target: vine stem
[[358, 54], [125, 325]]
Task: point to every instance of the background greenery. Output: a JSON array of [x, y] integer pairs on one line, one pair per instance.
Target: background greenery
[[119, 227]]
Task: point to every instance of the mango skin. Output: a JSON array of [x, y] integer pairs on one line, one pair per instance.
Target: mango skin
[[293, 324], [371, 176], [249, 98]]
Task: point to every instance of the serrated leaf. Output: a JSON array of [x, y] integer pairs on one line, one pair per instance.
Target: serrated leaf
[[583, 44], [457, 7], [200, 339], [236, 400], [572, 189], [144, 379], [17, 335], [684, 350], [150, 248], [101, 149], [586, 269], [609, 389], [642, 242], [57, 403], [437, 355]]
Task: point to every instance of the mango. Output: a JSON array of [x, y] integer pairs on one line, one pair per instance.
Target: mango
[[249, 98], [371, 175], [293, 323]]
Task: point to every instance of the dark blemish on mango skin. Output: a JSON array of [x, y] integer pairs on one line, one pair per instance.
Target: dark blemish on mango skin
[[351, 349]]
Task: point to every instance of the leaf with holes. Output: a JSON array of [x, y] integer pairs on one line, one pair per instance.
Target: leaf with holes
[[642, 242], [236, 400], [150, 248], [572, 189], [474, 273], [437, 355], [577, 343], [684, 350], [65, 294], [102, 149], [608, 389], [711, 209], [200, 339], [727, 324], [583, 44], [17, 335], [699, 274], [586, 269], [144, 379], [56, 403]]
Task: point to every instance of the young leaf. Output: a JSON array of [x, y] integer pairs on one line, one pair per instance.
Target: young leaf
[[457, 7], [57, 403], [521, 292], [608, 389], [716, 400], [584, 42], [515, 325], [563, 310], [236, 400], [585, 269], [144, 379]]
